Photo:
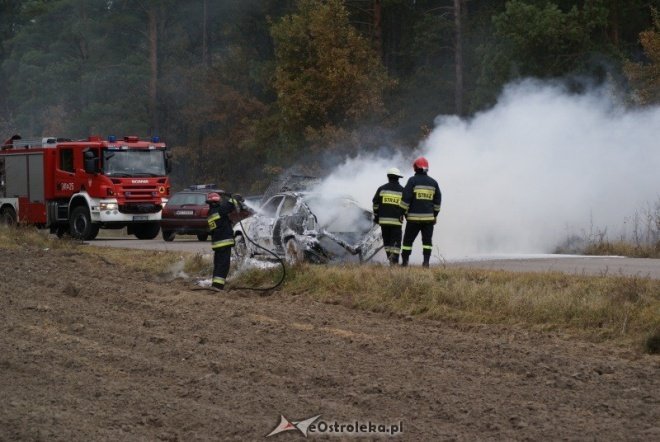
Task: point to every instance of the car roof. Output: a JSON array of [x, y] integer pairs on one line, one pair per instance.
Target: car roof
[[306, 195], [200, 191]]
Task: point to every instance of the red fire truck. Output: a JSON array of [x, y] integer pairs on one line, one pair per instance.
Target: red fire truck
[[81, 186]]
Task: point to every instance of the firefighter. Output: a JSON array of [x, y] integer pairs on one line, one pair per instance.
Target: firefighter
[[421, 205], [222, 233], [387, 213]]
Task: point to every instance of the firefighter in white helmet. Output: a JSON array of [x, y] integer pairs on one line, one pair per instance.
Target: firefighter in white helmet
[[388, 214]]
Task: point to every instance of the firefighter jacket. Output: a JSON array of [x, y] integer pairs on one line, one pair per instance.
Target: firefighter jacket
[[387, 211], [222, 232], [421, 198]]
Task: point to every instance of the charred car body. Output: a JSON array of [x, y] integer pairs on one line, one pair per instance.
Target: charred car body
[[299, 225]]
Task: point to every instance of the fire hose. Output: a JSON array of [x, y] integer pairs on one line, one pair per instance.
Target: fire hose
[[257, 289], [278, 258], [281, 261], [351, 249]]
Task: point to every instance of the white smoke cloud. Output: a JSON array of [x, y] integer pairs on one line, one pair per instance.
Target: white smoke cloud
[[518, 178]]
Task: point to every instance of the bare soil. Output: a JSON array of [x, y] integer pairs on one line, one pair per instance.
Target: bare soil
[[92, 351]]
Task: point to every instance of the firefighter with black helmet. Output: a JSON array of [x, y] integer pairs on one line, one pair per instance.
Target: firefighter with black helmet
[[421, 203], [222, 233], [387, 213]]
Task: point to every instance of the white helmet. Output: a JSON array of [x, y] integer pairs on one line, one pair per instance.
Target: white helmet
[[394, 171]]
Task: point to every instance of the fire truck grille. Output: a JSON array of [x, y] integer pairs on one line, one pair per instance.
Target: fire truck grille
[[140, 192], [139, 208]]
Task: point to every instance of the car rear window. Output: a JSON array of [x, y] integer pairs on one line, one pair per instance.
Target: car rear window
[[188, 198]]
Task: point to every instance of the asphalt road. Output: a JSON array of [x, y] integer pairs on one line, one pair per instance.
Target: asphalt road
[[183, 244], [587, 265], [581, 265]]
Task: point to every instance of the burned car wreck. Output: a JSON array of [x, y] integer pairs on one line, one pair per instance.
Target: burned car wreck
[[303, 226]]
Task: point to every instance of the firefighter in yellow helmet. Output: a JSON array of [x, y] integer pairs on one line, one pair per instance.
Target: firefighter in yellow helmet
[[222, 233], [388, 214]]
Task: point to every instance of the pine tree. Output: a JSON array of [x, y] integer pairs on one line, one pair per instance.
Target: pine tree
[[645, 77]]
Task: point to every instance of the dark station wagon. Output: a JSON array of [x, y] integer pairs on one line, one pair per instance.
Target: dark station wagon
[[186, 211]]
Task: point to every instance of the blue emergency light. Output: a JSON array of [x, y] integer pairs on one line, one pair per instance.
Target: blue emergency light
[[202, 186]]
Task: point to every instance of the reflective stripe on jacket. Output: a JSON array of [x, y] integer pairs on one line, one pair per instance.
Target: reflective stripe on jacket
[[223, 243], [421, 198], [220, 226], [386, 203]]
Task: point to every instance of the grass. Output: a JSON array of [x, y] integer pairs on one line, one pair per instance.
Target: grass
[[617, 309], [603, 308], [639, 239], [623, 248], [198, 265], [23, 236], [136, 260]]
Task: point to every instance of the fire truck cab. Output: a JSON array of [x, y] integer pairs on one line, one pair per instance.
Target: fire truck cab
[[81, 186]]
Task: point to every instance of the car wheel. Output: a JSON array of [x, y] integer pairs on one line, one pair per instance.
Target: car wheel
[[239, 252], [202, 236], [146, 231], [8, 216], [81, 226], [293, 252], [168, 235]]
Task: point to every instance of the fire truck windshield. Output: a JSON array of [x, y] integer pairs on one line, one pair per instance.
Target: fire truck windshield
[[129, 163]]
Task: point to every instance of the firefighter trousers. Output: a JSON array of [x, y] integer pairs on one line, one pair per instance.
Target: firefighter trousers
[[221, 262], [412, 230], [391, 242]]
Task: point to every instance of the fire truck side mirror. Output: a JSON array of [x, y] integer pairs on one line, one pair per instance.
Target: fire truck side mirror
[[91, 162], [168, 162]]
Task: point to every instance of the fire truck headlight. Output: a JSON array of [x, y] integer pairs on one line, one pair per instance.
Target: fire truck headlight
[[108, 206]]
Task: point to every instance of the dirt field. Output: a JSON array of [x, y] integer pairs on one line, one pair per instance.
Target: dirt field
[[130, 356]]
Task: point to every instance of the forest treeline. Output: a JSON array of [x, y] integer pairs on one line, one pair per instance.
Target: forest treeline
[[244, 89]]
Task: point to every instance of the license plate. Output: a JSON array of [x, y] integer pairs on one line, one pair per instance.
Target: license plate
[[140, 218], [184, 212]]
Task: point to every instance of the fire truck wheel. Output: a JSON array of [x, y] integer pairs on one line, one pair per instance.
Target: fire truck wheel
[[168, 235], [146, 231], [202, 237], [81, 226], [61, 231], [8, 216]]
